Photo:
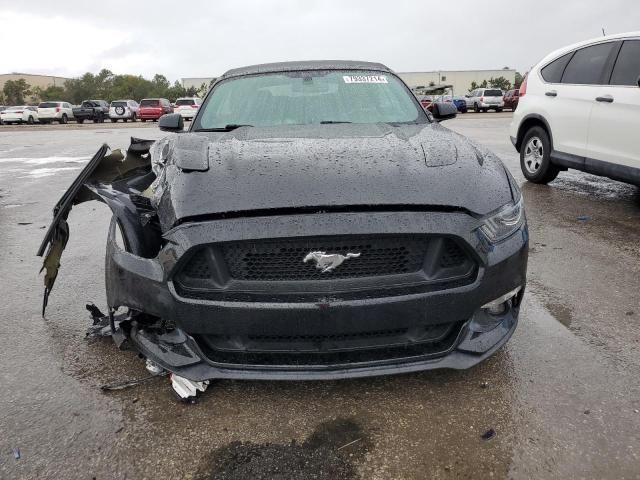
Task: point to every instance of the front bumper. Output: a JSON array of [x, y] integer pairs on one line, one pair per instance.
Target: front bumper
[[146, 285]]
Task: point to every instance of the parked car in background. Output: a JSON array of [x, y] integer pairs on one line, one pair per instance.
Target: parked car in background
[[20, 114], [511, 99], [426, 101], [485, 99], [96, 110], [459, 102], [580, 108], [187, 107], [124, 110], [154, 108], [60, 112]]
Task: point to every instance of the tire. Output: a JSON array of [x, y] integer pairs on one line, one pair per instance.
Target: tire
[[133, 117], [476, 108], [114, 120], [498, 110], [485, 110], [30, 120], [80, 120], [64, 118], [155, 119], [535, 161], [124, 120], [144, 120]]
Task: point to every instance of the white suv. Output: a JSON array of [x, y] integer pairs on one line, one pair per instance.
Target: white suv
[[580, 108], [187, 107], [58, 111], [123, 110], [483, 99]]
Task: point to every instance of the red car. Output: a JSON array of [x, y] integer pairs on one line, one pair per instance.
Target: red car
[[511, 99], [154, 108], [427, 102]]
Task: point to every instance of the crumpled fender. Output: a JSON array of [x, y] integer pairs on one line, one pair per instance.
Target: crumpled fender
[[102, 179]]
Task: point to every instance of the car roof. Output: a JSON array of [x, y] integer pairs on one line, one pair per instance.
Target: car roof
[[561, 51], [305, 65]]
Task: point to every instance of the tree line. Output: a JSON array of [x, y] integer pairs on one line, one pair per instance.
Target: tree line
[[499, 82], [104, 85]]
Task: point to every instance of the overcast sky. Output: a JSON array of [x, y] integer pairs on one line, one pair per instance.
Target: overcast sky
[[204, 38]]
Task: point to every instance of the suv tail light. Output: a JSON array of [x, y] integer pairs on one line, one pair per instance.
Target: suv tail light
[[523, 87], [194, 106], [57, 109], [481, 99]]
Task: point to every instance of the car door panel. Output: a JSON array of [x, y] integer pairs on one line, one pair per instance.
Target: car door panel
[[615, 118]]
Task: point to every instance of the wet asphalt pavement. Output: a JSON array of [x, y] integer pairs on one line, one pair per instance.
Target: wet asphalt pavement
[[563, 396]]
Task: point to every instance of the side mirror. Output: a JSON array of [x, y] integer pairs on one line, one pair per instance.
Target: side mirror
[[444, 111], [171, 122]]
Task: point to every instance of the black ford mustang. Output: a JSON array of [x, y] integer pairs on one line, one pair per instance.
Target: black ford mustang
[[314, 222]]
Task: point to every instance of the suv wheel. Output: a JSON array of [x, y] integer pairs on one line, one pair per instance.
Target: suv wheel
[[476, 108], [64, 118], [30, 120], [534, 157]]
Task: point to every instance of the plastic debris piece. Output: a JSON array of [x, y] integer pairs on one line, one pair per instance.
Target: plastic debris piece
[[153, 368], [131, 383], [489, 434], [187, 389], [16, 453], [583, 218]]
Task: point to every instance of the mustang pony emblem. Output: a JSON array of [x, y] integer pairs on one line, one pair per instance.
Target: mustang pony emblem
[[327, 263]]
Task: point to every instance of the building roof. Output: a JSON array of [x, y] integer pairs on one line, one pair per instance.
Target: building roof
[[305, 65]]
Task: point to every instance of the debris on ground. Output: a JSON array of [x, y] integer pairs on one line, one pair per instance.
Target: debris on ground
[[583, 218], [489, 434], [132, 383], [484, 385], [16, 453], [187, 389]]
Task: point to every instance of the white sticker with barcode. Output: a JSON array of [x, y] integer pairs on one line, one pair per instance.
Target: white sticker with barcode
[[365, 78]]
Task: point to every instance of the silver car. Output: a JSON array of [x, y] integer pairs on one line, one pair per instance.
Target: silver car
[[484, 99]]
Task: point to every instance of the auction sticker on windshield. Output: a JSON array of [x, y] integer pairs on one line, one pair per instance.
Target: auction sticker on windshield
[[365, 78]]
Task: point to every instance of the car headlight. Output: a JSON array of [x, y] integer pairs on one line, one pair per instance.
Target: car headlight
[[499, 225]]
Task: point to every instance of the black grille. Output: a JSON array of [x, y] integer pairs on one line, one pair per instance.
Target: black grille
[[452, 255], [197, 266], [282, 259]]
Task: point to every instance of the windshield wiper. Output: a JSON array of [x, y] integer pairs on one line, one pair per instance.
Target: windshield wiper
[[226, 128], [330, 122]]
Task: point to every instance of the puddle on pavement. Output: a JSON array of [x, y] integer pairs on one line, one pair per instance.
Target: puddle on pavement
[[329, 453], [558, 309]]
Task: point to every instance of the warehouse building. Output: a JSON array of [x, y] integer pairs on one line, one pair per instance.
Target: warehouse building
[[42, 81]]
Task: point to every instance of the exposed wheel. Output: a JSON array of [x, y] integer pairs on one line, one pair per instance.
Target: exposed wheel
[[64, 118], [476, 108], [30, 120], [534, 157]]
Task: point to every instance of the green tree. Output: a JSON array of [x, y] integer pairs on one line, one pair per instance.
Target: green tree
[[15, 91], [52, 92], [475, 85], [500, 82], [518, 81]]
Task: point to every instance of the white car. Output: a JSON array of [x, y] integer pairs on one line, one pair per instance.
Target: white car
[[59, 111], [124, 110], [187, 107], [23, 114], [580, 108], [483, 99]]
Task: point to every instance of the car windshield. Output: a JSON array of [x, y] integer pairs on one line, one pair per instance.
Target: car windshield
[[48, 105], [185, 101], [150, 103], [493, 93], [309, 97]]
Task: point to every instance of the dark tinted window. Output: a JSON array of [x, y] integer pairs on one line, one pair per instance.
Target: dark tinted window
[[587, 64], [48, 105], [150, 103], [553, 72], [185, 101], [627, 69], [118, 104], [493, 93]]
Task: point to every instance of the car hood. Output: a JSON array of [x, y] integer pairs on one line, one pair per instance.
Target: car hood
[[341, 165]]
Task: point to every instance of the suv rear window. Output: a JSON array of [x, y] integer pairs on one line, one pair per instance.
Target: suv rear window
[[48, 105], [587, 65], [185, 101], [493, 93], [118, 104], [150, 103]]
